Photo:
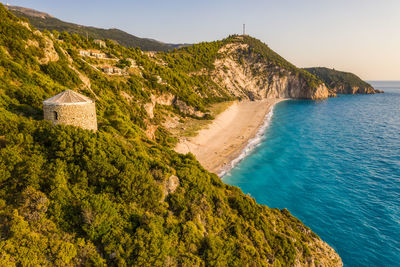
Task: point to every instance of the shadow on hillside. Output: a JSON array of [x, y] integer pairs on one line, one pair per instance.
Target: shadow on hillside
[[27, 111]]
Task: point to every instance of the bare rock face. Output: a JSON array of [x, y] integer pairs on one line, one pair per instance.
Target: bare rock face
[[247, 76], [188, 110], [151, 131], [168, 99], [34, 204], [149, 107], [171, 185], [163, 99], [322, 255], [50, 54]]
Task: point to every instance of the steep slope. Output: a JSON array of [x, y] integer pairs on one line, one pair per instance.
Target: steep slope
[[249, 68], [342, 82], [44, 21], [73, 197]]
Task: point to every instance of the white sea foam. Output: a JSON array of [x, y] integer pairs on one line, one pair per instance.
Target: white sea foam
[[251, 144]]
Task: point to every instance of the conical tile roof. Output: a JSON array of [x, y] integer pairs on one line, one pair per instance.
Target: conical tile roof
[[67, 97]]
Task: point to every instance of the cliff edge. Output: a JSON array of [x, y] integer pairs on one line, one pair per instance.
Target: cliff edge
[[343, 82], [248, 68]]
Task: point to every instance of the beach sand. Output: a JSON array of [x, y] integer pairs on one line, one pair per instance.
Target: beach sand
[[216, 146]]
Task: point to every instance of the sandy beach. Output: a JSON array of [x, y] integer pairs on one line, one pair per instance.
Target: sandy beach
[[225, 138]]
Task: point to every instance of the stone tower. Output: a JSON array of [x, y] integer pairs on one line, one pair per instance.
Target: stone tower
[[71, 108]]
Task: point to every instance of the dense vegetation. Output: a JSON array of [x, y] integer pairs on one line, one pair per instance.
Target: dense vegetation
[[73, 197], [69, 196], [43, 21], [335, 79]]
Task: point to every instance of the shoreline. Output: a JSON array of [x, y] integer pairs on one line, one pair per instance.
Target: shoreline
[[231, 136]]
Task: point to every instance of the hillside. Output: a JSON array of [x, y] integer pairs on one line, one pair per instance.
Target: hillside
[[122, 196], [246, 68], [44, 21], [342, 82]]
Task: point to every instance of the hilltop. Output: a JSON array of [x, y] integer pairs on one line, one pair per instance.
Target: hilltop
[[343, 82], [44, 21], [122, 196], [248, 67]]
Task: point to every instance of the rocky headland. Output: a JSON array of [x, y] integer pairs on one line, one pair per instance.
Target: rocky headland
[[341, 82]]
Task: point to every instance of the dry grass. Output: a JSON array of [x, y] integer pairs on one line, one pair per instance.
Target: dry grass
[[189, 127]]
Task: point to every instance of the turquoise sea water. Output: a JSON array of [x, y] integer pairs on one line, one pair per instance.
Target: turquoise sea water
[[335, 165]]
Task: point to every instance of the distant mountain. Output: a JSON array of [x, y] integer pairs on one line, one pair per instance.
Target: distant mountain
[[29, 11], [343, 82], [44, 21]]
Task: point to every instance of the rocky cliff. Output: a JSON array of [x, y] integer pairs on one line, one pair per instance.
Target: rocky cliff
[[252, 72], [343, 82]]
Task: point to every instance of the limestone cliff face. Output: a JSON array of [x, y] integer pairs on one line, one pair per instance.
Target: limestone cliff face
[[246, 75], [168, 99]]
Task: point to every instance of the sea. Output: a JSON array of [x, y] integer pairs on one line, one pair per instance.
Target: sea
[[335, 165]]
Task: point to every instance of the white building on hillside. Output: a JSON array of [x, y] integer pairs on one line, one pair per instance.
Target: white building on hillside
[[100, 43]]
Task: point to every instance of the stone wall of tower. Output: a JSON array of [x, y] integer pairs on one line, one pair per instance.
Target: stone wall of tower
[[80, 115]]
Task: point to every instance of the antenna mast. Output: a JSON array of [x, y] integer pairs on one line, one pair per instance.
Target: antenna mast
[[244, 29]]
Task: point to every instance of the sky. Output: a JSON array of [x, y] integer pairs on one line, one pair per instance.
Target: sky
[[359, 36]]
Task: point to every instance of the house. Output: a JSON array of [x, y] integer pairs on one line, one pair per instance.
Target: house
[[97, 54], [108, 70], [92, 53], [84, 53], [112, 70], [100, 43], [117, 71]]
